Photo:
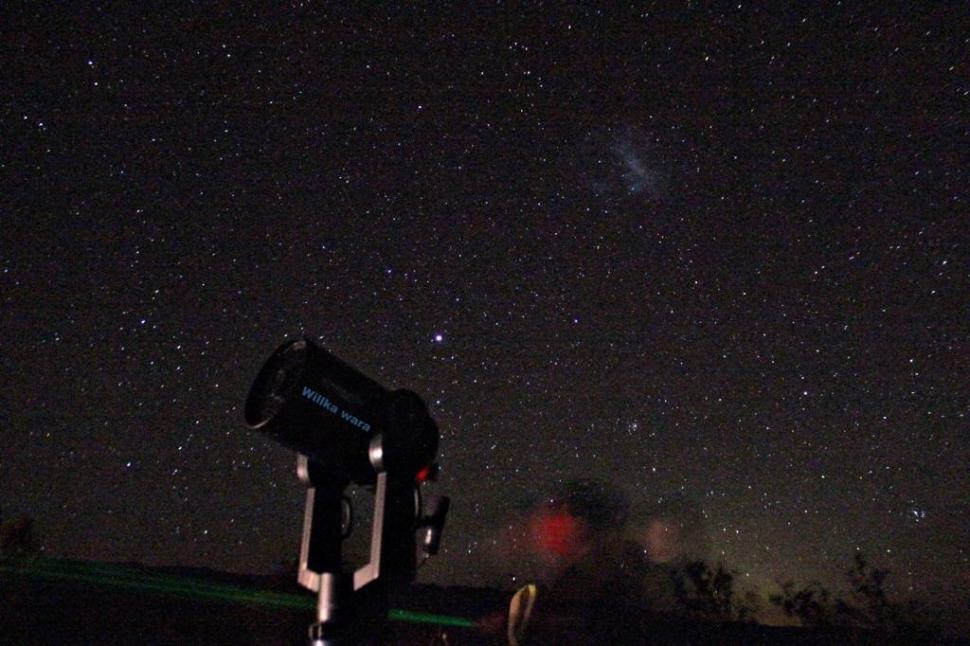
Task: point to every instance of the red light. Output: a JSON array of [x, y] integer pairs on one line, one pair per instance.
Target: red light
[[557, 533], [423, 474]]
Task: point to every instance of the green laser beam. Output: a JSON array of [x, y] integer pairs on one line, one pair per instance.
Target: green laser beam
[[187, 589], [410, 616], [122, 576], [118, 576]]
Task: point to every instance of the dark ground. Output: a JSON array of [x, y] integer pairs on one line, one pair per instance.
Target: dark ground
[[41, 610]]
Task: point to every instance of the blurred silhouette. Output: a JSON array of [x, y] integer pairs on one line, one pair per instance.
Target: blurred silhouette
[[671, 531], [671, 534], [598, 576], [17, 537]]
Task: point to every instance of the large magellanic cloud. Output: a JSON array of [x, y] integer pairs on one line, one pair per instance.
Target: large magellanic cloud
[[620, 161]]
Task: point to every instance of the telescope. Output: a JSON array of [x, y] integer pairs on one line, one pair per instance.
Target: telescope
[[310, 401], [348, 429]]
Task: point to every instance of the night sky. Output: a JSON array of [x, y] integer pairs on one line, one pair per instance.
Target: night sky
[[719, 255]]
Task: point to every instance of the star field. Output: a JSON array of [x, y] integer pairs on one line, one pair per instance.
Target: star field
[[719, 254]]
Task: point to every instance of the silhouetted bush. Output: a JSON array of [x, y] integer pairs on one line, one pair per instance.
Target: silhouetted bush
[[811, 605], [706, 593], [867, 606]]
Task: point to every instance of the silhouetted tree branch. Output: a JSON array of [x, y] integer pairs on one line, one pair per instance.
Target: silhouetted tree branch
[[706, 593], [868, 605]]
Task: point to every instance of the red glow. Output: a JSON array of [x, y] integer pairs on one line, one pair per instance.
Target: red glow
[[423, 474], [557, 533]]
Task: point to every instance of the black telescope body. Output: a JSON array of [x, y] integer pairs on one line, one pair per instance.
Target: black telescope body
[[312, 402]]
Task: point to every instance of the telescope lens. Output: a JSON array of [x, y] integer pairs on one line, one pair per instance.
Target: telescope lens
[[275, 382]]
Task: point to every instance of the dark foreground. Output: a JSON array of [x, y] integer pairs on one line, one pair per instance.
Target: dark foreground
[[179, 606]]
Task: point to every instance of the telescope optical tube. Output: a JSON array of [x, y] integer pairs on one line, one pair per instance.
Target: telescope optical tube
[[310, 401]]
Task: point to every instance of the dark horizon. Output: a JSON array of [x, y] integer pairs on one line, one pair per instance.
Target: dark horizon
[[40, 595]]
